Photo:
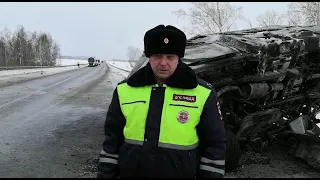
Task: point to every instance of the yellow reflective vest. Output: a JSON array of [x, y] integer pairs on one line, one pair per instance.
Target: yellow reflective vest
[[181, 113]]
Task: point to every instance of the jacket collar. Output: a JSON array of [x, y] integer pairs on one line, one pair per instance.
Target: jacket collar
[[184, 77]]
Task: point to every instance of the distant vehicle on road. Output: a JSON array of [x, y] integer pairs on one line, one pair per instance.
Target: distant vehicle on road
[[96, 62], [91, 62]]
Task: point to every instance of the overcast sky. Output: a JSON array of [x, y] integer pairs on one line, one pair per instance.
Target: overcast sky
[[105, 30]]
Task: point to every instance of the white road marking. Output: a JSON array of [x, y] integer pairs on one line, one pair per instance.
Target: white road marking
[[28, 95]]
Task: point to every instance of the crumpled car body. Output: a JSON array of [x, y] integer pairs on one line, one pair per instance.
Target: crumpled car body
[[267, 82]]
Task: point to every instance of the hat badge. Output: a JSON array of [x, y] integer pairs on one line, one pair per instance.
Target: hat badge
[[166, 40]]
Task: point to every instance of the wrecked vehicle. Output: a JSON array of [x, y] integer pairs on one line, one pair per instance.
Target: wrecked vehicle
[[267, 82]]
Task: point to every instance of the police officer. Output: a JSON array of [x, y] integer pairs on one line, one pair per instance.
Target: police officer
[[163, 121]]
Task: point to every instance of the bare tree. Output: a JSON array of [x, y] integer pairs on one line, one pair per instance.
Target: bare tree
[[134, 53], [6, 38], [250, 23], [45, 46], [2, 53], [55, 52], [19, 41], [23, 48], [270, 18], [247, 20], [211, 17], [304, 13]]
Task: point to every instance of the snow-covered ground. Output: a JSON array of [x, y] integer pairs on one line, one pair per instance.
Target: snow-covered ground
[[121, 68], [68, 62], [35, 70], [116, 75], [123, 65]]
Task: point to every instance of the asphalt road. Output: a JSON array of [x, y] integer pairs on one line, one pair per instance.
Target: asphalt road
[[53, 126]]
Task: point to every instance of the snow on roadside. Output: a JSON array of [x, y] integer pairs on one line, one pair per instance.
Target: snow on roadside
[[116, 75], [65, 65], [10, 79], [119, 71], [68, 62], [123, 65], [39, 70]]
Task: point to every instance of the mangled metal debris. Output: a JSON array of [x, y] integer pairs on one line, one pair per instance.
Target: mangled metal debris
[[267, 81]]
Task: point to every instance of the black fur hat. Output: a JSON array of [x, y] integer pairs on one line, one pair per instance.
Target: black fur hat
[[164, 40]]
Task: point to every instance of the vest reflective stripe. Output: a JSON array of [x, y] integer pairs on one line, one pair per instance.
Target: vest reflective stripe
[[130, 141], [178, 147], [134, 102], [164, 145]]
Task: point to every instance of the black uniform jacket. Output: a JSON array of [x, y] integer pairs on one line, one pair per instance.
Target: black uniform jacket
[[128, 160]]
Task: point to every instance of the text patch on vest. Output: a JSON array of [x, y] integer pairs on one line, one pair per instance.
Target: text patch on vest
[[178, 97]]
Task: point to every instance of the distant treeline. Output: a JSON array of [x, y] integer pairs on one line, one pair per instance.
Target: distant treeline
[[24, 48]]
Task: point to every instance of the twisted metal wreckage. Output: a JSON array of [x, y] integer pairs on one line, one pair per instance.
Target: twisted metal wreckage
[[267, 82]]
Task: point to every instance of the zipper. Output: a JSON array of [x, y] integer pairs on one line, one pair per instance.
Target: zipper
[[133, 102], [183, 105]]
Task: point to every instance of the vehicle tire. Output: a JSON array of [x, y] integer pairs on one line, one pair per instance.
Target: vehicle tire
[[233, 151]]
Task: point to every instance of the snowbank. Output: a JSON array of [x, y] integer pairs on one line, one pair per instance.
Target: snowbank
[[123, 65], [68, 62], [39, 70]]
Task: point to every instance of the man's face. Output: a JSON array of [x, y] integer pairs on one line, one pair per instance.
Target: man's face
[[163, 65]]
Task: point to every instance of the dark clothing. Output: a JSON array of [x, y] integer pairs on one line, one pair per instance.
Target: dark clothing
[[152, 161]]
